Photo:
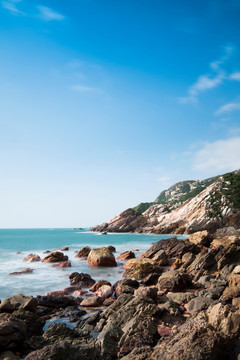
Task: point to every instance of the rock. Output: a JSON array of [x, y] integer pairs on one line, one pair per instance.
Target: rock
[[197, 304], [187, 259], [66, 350], [101, 257], [147, 291], [21, 272], [64, 248], [126, 286], [236, 302], [177, 264], [227, 231], [33, 322], [138, 261], [55, 331], [202, 337], [204, 264], [200, 238], [19, 301], [139, 353], [236, 270], [62, 264], [12, 332], [104, 292], [111, 248], [84, 252], [56, 301], [174, 281], [32, 258], [173, 248], [81, 279], [126, 255], [161, 258], [92, 301], [230, 293], [180, 297], [73, 313], [9, 355], [98, 284], [56, 256], [150, 279], [141, 269]]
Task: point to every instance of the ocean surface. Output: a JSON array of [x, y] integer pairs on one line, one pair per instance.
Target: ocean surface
[[15, 244]]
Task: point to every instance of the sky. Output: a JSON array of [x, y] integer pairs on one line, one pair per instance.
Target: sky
[[104, 104]]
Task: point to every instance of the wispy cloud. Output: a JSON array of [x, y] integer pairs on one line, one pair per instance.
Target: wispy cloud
[[228, 108], [208, 81], [85, 89], [48, 14], [235, 76], [11, 6], [221, 155]]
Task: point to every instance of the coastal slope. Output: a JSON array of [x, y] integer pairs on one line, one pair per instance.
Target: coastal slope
[[184, 208]]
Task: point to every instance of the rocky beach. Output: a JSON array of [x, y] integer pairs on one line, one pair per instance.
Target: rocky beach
[[180, 299]]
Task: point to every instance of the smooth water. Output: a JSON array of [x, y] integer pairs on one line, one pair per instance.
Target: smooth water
[[15, 244]]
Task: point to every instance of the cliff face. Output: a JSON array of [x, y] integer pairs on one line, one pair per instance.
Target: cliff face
[[181, 212]]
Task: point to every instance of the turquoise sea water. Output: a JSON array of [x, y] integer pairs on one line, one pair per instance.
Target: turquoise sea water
[[15, 244]]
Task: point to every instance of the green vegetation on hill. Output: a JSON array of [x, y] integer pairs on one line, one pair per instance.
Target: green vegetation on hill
[[142, 207]]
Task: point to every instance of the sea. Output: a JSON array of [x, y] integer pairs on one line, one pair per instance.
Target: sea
[[15, 244]]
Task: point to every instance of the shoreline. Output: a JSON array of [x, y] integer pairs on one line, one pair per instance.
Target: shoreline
[[175, 285]]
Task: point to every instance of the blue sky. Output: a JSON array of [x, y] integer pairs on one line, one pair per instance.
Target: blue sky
[[103, 104]]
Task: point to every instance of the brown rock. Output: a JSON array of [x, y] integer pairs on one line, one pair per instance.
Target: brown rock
[[18, 301], [101, 257], [62, 264], [200, 238], [13, 331], [104, 292], [64, 248], [147, 291], [141, 270], [56, 256], [138, 261], [9, 355], [98, 284], [32, 258], [81, 279], [20, 272], [84, 252], [92, 301], [174, 281], [126, 255], [197, 304]]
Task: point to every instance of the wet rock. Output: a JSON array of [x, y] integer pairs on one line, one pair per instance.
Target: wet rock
[[98, 284], [62, 264], [13, 332], [92, 301], [32, 258], [56, 331], [101, 257], [81, 279], [64, 248], [71, 312], [174, 281], [18, 301], [126, 255], [111, 248], [56, 301], [84, 252], [56, 256], [21, 272]]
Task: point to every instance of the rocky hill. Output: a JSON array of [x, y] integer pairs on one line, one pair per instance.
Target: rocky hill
[[185, 207]]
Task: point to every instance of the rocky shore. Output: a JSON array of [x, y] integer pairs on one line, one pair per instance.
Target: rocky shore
[[179, 300]]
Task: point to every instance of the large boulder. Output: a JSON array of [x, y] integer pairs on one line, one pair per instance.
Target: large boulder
[[84, 252], [200, 238], [174, 281], [126, 255], [141, 269], [56, 256], [101, 257]]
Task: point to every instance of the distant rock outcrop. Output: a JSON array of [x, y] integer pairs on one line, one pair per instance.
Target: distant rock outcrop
[[184, 208]]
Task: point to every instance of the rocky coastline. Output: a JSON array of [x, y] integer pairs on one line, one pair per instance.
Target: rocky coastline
[[178, 300]]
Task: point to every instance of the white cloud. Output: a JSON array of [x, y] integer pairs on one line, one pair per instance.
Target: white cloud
[[222, 155], [208, 81], [85, 89], [228, 108], [48, 14], [11, 6], [235, 76]]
